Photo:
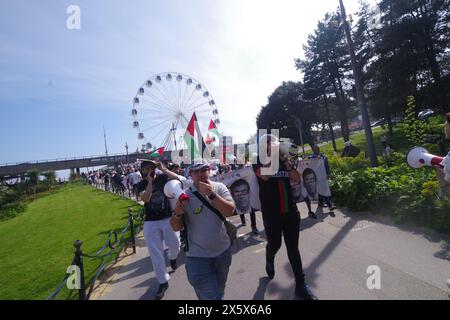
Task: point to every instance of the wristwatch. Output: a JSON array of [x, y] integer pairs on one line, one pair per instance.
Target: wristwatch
[[212, 195]]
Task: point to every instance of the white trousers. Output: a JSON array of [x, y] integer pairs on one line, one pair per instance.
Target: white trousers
[[154, 233]]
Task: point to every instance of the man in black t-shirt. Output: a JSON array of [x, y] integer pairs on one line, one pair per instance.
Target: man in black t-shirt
[[281, 216], [157, 221], [350, 150]]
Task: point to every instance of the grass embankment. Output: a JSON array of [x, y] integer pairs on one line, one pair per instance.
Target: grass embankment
[[36, 247], [358, 139]]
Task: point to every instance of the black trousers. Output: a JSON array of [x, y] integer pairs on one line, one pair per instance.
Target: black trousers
[[252, 218], [288, 226]]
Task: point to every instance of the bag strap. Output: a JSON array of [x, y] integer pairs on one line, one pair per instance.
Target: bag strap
[[207, 204], [183, 219]]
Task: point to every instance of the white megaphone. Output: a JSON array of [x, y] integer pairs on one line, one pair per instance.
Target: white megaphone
[[285, 147], [419, 157], [289, 149], [173, 189]]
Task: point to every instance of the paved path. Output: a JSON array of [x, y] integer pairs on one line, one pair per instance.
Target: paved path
[[336, 253]]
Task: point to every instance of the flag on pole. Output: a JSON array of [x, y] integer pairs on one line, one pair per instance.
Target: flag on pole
[[212, 136], [157, 153], [194, 140]]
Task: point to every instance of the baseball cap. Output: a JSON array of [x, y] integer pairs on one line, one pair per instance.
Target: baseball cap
[[146, 162], [198, 166]]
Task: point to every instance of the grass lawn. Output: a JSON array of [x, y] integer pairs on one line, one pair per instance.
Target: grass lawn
[[399, 140], [36, 247], [358, 139]]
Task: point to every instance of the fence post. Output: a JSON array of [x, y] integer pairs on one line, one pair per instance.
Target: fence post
[[79, 263], [133, 240]]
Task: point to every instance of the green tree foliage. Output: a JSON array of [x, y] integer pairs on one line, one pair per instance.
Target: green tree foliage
[[325, 67], [32, 180], [406, 54], [284, 106], [403, 49], [50, 178], [414, 128]]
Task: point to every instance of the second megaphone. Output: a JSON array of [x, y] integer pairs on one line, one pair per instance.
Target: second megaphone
[[419, 157], [173, 189]]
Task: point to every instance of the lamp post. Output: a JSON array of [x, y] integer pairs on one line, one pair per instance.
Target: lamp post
[[126, 148], [359, 89]]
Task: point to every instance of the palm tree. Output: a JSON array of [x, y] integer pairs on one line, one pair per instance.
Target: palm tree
[[50, 178], [33, 179]]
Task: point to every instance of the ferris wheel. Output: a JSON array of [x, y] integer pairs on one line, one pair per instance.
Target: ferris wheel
[[163, 107]]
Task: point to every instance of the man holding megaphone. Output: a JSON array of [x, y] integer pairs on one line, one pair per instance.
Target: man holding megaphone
[[157, 220], [280, 214], [203, 215]]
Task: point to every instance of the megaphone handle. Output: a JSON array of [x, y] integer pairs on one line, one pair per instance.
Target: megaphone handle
[[183, 197], [436, 161]]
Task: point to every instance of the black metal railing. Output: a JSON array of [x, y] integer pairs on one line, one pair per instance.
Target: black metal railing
[[106, 255]]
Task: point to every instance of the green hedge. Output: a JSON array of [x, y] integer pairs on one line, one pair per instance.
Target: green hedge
[[394, 189]]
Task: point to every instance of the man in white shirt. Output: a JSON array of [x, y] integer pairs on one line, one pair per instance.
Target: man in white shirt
[[134, 177]]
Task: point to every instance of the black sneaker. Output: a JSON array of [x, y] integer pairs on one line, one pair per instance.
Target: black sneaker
[[244, 224], [312, 215], [303, 292], [332, 214], [332, 207], [255, 231], [173, 264], [270, 268], [161, 290]]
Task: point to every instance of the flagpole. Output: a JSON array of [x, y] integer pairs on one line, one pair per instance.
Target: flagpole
[[104, 137], [174, 137]]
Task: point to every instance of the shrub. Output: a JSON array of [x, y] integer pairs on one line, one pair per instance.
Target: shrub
[[10, 210], [395, 189], [348, 164], [414, 128], [8, 195]]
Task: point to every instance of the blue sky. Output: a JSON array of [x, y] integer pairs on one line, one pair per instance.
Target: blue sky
[[59, 87]]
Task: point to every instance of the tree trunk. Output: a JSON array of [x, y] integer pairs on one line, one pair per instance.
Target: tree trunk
[[344, 104], [330, 126], [342, 112], [390, 125]]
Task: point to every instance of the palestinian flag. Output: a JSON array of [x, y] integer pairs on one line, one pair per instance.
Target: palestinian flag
[[158, 153], [194, 140], [212, 137]]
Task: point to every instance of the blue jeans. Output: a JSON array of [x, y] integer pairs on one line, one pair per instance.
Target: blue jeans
[[208, 276]]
